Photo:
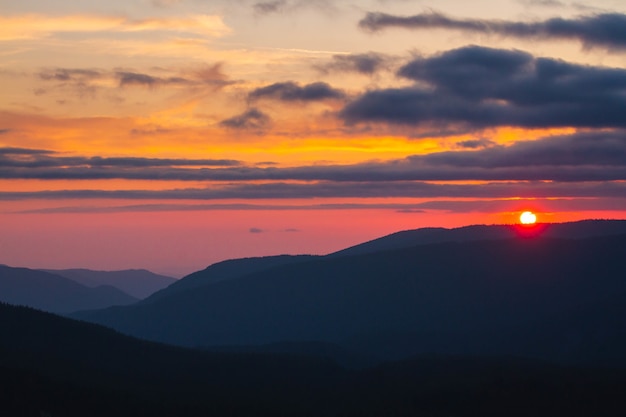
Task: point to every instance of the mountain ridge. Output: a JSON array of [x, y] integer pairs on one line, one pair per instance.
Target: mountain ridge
[[329, 299], [54, 293]]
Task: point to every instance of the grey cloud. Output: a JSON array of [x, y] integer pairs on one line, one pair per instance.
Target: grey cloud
[[281, 190], [253, 119], [477, 87], [476, 144], [606, 30], [33, 159], [69, 74], [290, 91], [256, 230], [270, 7], [138, 79], [587, 156], [456, 206], [4, 131], [368, 63], [543, 3]]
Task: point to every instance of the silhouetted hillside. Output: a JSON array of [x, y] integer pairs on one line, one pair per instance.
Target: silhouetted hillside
[[230, 269], [137, 282], [409, 238], [58, 367], [50, 292], [449, 298]]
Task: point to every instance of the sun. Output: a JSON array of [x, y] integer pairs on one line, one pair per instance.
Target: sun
[[528, 217]]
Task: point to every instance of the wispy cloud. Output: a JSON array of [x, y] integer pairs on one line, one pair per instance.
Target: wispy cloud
[[606, 30], [291, 91], [251, 119], [587, 156], [367, 63], [36, 26]]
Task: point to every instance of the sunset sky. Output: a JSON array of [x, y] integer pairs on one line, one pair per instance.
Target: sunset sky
[[171, 134]]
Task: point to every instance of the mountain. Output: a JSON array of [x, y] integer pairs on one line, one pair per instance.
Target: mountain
[[409, 238], [137, 282], [452, 298], [54, 293], [52, 366], [226, 270]]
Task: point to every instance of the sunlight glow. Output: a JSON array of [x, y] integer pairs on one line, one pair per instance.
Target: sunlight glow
[[528, 217]]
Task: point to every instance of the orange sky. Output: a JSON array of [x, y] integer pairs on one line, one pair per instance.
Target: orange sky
[[171, 135]]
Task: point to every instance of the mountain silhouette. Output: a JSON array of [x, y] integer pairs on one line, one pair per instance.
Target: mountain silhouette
[[54, 366], [51, 292], [450, 298], [226, 270], [409, 238], [137, 282]]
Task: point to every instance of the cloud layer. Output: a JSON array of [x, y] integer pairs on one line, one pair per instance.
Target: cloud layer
[[480, 87], [601, 30]]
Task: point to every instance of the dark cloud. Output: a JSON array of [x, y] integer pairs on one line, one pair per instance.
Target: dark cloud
[[456, 206], [478, 87], [270, 7], [76, 80], [587, 156], [290, 91], [253, 119], [282, 190], [5, 131], [69, 74], [605, 30], [137, 79], [476, 144], [368, 63], [256, 230], [33, 159]]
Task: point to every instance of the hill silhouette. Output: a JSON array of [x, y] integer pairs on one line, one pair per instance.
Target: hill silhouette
[[409, 238], [59, 367], [450, 298], [138, 283], [51, 292], [226, 270]]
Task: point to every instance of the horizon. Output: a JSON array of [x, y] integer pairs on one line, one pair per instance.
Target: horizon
[[172, 134], [187, 271]]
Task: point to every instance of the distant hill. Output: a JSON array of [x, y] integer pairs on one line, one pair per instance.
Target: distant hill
[[409, 238], [51, 366], [137, 282], [51, 292], [226, 270], [452, 298]]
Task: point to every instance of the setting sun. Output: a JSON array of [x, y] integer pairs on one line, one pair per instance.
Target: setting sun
[[528, 217]]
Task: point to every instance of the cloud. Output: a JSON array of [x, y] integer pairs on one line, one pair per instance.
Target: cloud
[[5, 131], [269, 7], [33, 159], [69, 74], [256, 230], [543, 3], [290, 91], [307, 191], [368, 63], [37, 26], [165, 3], [253, 119], [478, 87], [456, 206], [584, 156], [476, 144], [138, 79], [606, 30]]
